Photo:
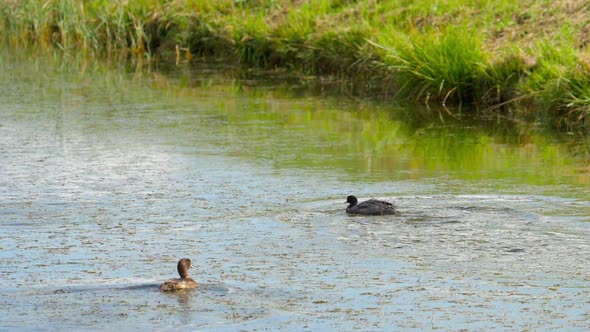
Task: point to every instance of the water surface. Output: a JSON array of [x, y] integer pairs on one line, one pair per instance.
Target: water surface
[[109, 176]]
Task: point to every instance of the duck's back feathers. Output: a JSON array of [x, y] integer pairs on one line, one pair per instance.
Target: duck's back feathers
[[178, 284]]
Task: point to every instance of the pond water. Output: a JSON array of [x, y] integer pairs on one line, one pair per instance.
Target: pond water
[[108, 176]]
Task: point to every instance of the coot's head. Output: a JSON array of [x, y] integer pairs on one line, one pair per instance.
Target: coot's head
[[351, 200]]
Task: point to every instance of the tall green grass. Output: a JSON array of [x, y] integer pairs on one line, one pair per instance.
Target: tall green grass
[[497, 55], [103, 27], [561, 83], [445, 66]]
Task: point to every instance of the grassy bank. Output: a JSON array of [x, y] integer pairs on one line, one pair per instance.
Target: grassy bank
[[526, 57]]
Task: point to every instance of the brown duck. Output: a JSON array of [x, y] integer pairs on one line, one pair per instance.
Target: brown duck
[[184, 282]]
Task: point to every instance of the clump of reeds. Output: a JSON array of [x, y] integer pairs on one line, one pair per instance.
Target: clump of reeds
[[443, 66], [88, 26], [561, 84]]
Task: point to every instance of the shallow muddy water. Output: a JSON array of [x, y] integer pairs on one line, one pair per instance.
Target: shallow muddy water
[[108, 177]]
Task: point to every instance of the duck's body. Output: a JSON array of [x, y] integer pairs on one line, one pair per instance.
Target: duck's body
[[178, 284], [184, 282], [371, 207]]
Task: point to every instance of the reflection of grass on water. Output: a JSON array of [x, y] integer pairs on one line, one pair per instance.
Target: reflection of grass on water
[[298, 129], [492, 53]]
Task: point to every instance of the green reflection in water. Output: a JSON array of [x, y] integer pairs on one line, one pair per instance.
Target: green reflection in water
[[371, 141], [291, 126]]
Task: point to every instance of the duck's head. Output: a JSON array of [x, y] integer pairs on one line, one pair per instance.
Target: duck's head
[[183, 266], [351, 200]]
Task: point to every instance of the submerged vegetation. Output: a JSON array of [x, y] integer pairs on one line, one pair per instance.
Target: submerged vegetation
[[526, 58]]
